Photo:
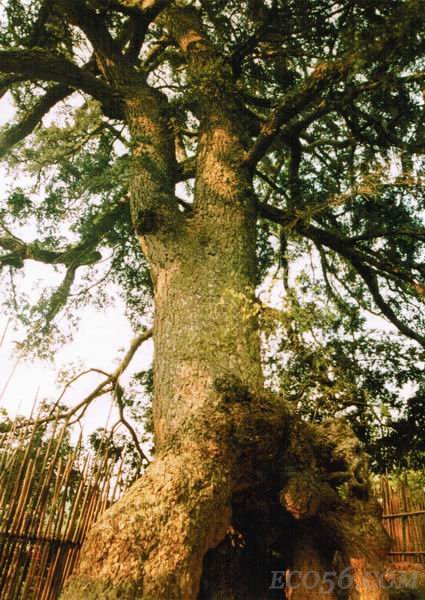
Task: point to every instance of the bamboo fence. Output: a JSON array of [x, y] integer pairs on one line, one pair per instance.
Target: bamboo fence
[[404, 519], [50, 494]]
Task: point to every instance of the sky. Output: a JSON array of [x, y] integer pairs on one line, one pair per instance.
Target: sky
[[101, 339]]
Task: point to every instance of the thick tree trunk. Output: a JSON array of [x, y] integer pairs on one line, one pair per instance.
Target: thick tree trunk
[[311, 576], [207, 372], [205, 520], [209, 421], [205, 327]]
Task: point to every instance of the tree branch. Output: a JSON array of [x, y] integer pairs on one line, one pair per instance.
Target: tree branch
[[249, 45], [136, 38], [389, 233], [37, 64], [293, 169], [299, 99], [60, 296], [118, 395], [127, 10], [109, 55], [370, 278], [309, 93], [149, 8], [186, 169], [6, 81], [39, 28], [104, 387], [141, 14], [354, 256], [73, 257], [18, 132]]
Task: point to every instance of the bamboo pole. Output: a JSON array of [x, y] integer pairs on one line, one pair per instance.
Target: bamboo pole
[[47, 504]]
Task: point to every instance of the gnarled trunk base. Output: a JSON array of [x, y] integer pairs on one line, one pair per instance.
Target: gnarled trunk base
[[151, 544], [207, 522]]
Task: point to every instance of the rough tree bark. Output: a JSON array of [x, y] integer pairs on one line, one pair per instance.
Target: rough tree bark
[[206, 520], [329, 495], [207, 349]]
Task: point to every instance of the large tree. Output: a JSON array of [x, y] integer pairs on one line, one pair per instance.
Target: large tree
[[223, 139]]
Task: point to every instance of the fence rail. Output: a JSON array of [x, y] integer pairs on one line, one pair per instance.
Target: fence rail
[[404, 519]]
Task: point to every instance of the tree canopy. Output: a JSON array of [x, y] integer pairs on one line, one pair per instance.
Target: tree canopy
[[330, 96]]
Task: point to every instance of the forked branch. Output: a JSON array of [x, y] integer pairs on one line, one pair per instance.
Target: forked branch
[[26, 126], [40, 65], [110, 384], [357, 258]]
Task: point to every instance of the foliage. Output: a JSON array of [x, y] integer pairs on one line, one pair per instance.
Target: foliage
[[328, 363], [331, 97]]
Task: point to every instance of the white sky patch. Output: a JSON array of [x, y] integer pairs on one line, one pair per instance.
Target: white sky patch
[[101, 339], [99, 342]]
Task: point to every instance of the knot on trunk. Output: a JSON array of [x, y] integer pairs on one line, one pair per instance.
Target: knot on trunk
[[146, 222], [232, 389], [304, 495], [329, 489], [341, 457]]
